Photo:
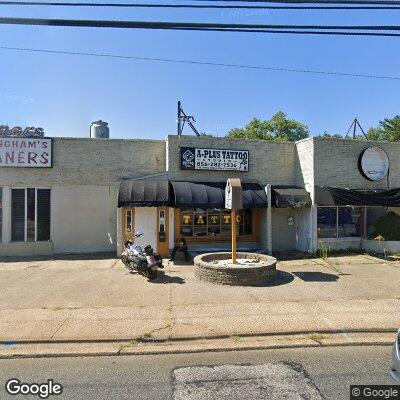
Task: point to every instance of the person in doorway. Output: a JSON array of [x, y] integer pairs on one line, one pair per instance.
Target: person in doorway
[[180, 245]]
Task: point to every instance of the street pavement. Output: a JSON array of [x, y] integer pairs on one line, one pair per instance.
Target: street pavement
[[97, 299], [290, 374]]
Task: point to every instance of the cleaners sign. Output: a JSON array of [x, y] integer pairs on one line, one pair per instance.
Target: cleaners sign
[[214, 159], [25, 152]]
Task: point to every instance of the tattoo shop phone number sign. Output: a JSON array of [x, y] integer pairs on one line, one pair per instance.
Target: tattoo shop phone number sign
[[214, 159], [25, 152]]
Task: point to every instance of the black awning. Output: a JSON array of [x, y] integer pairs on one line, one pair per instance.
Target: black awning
[[212, 195], [290, 197], [136, 193], [329, 196]]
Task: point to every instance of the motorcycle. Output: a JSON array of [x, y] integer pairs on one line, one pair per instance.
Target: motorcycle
[[145, 262]]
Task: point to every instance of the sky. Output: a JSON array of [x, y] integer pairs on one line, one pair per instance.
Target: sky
[[65, 93]]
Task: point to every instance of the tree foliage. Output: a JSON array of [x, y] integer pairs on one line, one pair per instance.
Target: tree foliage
[[331, 135], [388, 129], [278, 128]]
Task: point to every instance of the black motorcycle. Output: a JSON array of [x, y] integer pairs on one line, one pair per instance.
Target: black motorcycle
[[145, 262]]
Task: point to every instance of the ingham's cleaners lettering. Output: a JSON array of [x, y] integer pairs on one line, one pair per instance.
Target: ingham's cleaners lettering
[[25, 152]]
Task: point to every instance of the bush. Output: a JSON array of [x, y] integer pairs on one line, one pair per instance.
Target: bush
[[387, 226]]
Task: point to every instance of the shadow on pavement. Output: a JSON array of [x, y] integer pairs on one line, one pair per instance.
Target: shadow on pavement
[[316, 276], [181, 262], [282, 278], [163, 278]]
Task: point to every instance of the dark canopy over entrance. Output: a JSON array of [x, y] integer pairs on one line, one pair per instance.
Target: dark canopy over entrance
[[136, 193], [290, 197], [212, 195], [328, 196]]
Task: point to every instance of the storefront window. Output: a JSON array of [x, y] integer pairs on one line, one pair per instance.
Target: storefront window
[[43, 214], [342, 222], [326, 222], [186, 222], [351, 221], [213, 222], [30, 215]]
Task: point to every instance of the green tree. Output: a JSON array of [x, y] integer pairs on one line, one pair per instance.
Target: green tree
[[331, 135], [388, 129], [278, 128]]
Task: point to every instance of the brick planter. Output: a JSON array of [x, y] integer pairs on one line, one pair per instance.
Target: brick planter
[[240, 275]]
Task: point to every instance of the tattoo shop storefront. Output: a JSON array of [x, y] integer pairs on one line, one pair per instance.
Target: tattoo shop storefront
[[194, 209]]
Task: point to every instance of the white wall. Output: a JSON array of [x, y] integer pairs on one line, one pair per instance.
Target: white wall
[[146, 222], [332, 244], [83, 219], [386, 246], [24, 249]]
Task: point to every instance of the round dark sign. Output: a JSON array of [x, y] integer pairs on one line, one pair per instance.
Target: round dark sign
[[373, 163]]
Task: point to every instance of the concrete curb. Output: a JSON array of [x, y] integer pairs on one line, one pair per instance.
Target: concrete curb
[[154, 339], [233, 343]]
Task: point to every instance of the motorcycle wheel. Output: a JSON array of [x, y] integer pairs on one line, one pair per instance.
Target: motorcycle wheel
[[142, 269], [130, 267], [124, 259]]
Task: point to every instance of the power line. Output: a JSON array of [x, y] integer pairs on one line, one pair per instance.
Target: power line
[[365, 2], [295, 32], [203, 63], [200, 6], [270, 28]]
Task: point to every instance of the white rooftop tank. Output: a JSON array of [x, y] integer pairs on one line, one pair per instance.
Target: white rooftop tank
[[99, 130]]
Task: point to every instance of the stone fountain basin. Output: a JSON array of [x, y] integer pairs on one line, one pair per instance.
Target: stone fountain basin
[[251, 268]]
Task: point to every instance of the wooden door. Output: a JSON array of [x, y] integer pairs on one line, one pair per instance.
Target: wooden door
[[162, 230]]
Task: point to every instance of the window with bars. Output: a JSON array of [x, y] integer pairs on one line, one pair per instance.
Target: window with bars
[[30, 215]]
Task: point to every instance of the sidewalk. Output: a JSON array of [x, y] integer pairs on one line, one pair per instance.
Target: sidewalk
[[96, 300]]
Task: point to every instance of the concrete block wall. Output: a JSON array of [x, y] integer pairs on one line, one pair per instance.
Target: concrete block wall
[[336, 163], [85, 161], [270, 162]]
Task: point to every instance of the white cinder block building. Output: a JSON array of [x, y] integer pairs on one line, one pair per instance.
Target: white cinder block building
[[84, 195]]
